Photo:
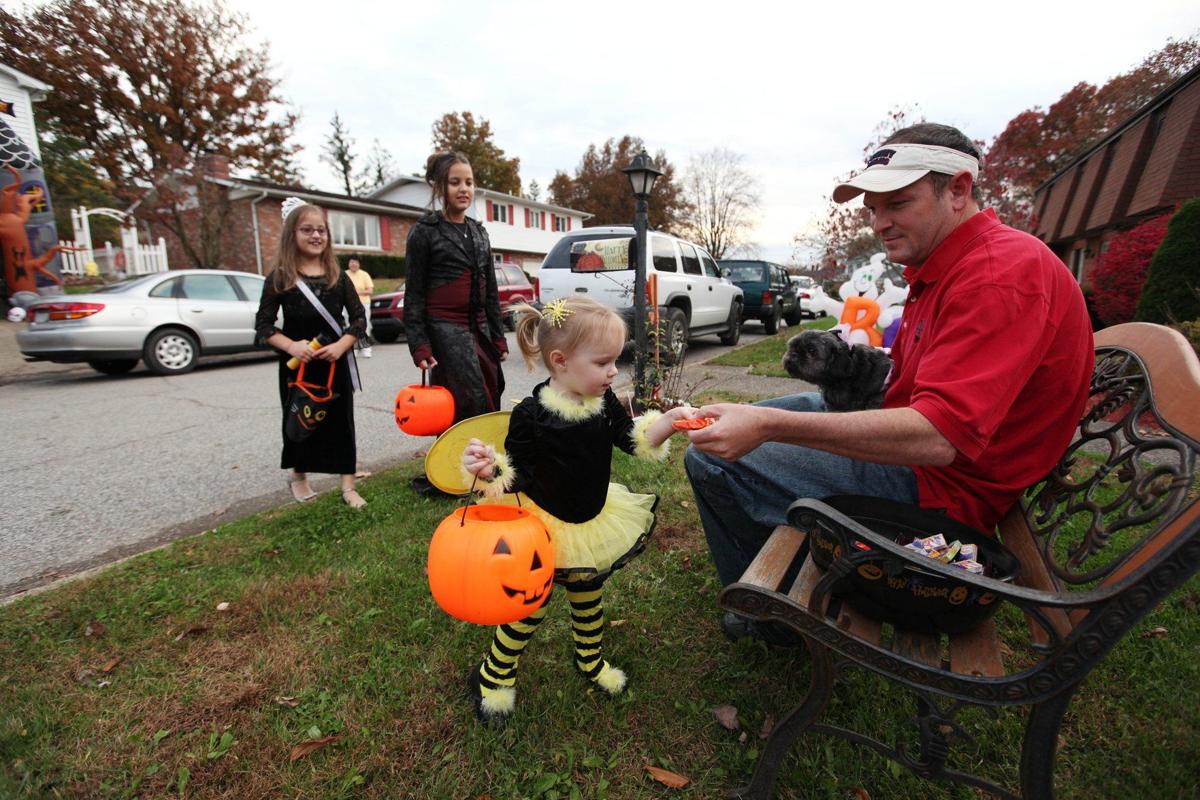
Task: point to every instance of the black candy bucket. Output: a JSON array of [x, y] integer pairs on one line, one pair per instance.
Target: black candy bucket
[[905, 595]]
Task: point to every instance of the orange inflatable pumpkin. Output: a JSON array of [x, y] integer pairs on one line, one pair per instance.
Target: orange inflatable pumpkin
[[424, 410], [491, 564]]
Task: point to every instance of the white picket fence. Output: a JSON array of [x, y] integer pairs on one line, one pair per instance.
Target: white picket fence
[[132, 258]]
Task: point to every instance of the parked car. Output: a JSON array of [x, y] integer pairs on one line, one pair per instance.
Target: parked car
[[169, 320], [387, 309], [693, 297], [804, 286], [769, 295]]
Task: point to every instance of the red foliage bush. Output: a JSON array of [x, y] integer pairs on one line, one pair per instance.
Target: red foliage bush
[[1120, 273]]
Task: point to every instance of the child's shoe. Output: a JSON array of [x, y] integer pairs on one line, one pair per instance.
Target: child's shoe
[[493, 707], [607, 677]]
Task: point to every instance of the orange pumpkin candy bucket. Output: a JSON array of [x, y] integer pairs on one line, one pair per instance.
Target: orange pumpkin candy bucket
[[424, 409], [490, 564]]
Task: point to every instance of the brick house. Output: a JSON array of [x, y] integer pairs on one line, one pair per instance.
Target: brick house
[[251, 228], [521, 230], [1144, 167]]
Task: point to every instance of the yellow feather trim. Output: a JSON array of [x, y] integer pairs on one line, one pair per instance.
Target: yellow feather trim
[[500, 701], [611, 679], [570, 410], [503, 476], [641, 445]]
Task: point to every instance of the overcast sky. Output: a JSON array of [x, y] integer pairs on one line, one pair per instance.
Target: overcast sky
[[797, 90]]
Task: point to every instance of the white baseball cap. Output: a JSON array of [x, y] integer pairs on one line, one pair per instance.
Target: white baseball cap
[[894, 166]]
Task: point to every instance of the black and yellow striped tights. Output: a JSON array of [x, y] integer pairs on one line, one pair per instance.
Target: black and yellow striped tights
[[498, 673]]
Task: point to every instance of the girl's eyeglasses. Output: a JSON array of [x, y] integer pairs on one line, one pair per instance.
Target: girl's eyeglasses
[[309, 230]]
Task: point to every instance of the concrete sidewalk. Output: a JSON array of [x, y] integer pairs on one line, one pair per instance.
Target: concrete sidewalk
[[14, 367]]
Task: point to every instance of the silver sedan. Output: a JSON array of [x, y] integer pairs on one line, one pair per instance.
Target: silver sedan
[[168, 320]]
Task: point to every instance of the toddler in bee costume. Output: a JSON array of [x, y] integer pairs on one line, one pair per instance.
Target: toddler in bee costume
[[558, 458]]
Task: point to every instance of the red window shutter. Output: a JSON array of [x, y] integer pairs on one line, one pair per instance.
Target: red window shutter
[[511, 215], [553, 222], [385, 234], [489, 211], [568, 223], [527, 218]]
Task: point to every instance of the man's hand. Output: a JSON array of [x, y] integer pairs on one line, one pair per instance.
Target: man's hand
[[738, 429]]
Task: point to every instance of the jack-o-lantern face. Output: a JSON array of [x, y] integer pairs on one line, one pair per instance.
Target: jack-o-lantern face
[[491, 564]]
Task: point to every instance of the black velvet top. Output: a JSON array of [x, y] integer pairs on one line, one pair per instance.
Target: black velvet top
[[564, 465]]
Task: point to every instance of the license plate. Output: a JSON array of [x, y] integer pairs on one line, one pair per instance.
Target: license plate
[[41, 316]]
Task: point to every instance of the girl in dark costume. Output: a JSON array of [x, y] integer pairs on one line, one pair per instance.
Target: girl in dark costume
[[558, 456], [306, 254], [451, 306]]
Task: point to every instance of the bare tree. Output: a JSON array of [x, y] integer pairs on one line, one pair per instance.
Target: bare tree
[[724, 199], [338, 153]]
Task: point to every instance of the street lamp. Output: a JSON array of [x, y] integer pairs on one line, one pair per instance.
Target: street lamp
[[642, 174]]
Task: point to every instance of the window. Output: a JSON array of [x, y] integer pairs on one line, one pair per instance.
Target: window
[[354, 230], [662, 253], [166, 288], [691, 262], [1077, 259], [514, 275], [208, 287], [560, 224], [710, 268], [251, 286], [535, 219], [499, 212]]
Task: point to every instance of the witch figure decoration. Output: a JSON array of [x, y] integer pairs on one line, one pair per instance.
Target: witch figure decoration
[[558, 458]]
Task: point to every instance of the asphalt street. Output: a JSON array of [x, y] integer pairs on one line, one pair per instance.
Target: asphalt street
[[99, 468]]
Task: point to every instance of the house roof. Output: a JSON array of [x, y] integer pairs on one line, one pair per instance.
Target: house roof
[[37, 90], [405, 180], [1146, 164], [323, 199]]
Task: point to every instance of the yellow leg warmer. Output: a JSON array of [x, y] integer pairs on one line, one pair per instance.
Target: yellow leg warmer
[[587, 629], [498, 672]]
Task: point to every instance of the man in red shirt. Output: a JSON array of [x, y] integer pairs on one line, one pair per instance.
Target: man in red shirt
[[992, 367]]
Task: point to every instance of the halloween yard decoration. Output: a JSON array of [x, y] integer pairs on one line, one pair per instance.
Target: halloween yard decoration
[[20, 266], [490, 564], [424, 410]]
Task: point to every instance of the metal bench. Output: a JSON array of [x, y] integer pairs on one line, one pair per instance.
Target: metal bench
[[1109, 533]]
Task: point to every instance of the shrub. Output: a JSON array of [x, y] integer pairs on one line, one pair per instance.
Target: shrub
[[1191, 332], [377, 266], [1119, 275], [1172, 290]]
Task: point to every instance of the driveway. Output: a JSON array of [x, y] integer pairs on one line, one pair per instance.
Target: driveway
[[99, 468]]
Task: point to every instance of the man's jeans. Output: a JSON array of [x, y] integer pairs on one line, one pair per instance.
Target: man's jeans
[[741, 502]]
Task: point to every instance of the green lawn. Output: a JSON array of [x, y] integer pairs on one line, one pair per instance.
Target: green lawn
[[765, 357], [131, 683]]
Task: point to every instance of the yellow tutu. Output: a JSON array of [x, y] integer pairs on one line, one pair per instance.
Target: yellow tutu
[[603, 543]]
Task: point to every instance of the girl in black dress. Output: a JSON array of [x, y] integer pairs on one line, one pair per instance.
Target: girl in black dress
[[451, 305], [306, 254]]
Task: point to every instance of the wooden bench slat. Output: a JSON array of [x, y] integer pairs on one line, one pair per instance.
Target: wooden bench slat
[[920, 647], [768, 567], [977, 652], [859, 625], [806, 581], [1015, 534]]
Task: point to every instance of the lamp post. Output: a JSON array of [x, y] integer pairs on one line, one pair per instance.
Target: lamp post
[[642, 174]]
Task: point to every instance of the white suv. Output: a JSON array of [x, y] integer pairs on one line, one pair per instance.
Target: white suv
[[694, 297]]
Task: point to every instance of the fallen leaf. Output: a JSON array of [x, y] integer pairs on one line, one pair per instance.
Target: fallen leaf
[[743, 738], [1155, 633], [861, 794], [102, 684], [86, 677], [222, 606], [1005, 650], [685, 503], [110, 665], [304, 748], [192, 631], [727, 716], [290, 702], [1060, 743], [672, 780], [767, 726], [616, 623], [95, 629]]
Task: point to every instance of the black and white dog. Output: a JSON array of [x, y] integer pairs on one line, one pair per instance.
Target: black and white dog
[[851, 378]]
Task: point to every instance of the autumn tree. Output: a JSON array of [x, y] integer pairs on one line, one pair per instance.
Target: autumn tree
[[601, 189], [723, 200], [1119, 275], [378, 169], [492, 170], [338, 152], [1037, 143], [149, 87], [73, 181]]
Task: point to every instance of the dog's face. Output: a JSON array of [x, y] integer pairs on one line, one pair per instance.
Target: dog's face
[[817, 356]]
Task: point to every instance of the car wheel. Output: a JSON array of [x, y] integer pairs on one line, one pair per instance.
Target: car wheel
[[385, 337], [795, 316], [674, 336], [771, 323], [171, 352], [733, 333], [118, 366]]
